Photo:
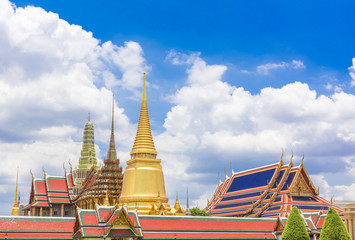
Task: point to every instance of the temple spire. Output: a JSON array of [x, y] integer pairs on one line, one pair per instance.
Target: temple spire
[[111, 155], [143, 144], [15, 210], [187, 198]]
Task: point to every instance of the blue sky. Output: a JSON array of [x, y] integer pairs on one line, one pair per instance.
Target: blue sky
[[228, 82]]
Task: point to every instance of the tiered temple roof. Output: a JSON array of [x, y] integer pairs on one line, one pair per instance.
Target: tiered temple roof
[[52, 190], [103, 186], [117, 222], [107, 222], [267, 191], [87, 158]]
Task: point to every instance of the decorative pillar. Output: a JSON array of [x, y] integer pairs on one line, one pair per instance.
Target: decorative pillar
[[349, 216], [41, 211], [51, 211], [62, 210]]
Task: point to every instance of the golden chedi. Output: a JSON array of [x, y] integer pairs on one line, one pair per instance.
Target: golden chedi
[[143, 181]]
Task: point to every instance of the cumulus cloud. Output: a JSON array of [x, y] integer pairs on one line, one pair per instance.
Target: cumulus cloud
[[266, 68], [213, 123], [51, 74], [352, 73]]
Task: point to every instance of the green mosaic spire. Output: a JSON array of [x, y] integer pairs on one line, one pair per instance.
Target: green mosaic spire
[[87, 158]]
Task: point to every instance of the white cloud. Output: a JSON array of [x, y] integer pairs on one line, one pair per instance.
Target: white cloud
[[51, 74], [213, 123], [182, 58], [266, 68], [352, 73]]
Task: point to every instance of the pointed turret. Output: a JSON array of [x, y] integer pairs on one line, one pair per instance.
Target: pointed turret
[[111, 154], [15, 210], [87, 156], [143, 144], [143, 181]]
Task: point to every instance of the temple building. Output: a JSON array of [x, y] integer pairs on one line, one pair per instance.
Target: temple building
[[87, 158], [267, 191], [103, 186], [91, 202], [143, 182]]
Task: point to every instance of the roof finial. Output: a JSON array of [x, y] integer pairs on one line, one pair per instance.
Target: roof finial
[[144, 92], [31, 173], [65, 170], [106, 201], [225, 173], [15, 210], [89, 117], [291, 158], [71, 167], [282, 161], [302, 159], [44, 172], [231, 167]]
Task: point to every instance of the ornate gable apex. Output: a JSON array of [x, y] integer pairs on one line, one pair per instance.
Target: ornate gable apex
[[302, 183], [123, 220], [77, 223], [279, 226]]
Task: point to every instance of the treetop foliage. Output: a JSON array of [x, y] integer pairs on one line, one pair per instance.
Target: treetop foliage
[[295, 227], [333, 227]]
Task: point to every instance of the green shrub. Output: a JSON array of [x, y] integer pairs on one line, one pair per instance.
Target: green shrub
[[295, 227], [333, 227], [198, 212]]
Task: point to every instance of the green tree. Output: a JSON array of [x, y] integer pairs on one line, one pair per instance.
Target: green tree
[[295, 227], [198, 212], [333, 227]]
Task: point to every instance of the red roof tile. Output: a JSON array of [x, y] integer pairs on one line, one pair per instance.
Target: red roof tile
[[56, 184], [40, 186], [207, 223]]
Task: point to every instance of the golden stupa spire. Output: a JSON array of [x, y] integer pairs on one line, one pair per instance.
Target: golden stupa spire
[[15, 210], [143, 144]]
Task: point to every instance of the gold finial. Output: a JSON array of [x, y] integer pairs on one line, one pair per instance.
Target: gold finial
[[143, 144], [15, 210], [44, 172], [89, 117], [65, 170], [231, 167], [302, 159], [106, 201], [144, 93], [291, 159], [71, 167], [31, 173], [282, 161], [225, 173], [219, 178]]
